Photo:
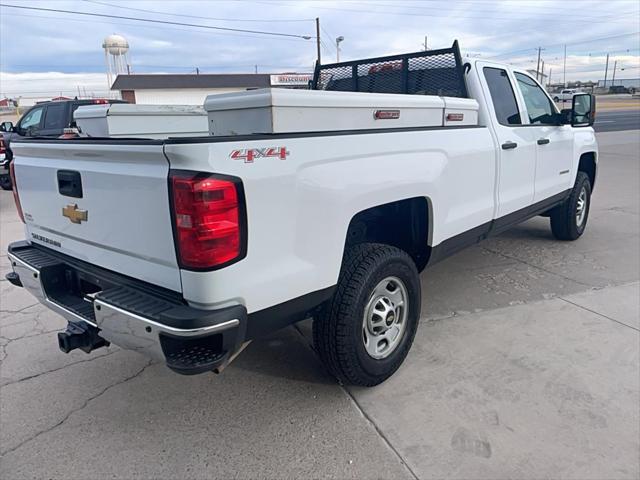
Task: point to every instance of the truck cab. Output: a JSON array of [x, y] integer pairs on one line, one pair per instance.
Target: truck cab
[[537, 146]]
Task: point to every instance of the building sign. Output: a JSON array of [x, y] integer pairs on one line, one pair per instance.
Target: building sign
[[292, 79]]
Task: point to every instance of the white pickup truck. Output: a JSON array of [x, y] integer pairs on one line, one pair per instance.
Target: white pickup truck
[[566, 95], [187, 248]]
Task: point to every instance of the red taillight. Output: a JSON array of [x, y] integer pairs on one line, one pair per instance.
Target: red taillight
[[16, 197], [208, 219], [2, 147], [100, 101]]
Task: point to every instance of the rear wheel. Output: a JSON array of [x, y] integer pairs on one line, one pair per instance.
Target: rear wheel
[[365, 332], [569, 220]]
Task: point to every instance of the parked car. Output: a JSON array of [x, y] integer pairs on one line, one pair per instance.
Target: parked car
[[616, 89], [46, 119], [329, 207], [566, 95]]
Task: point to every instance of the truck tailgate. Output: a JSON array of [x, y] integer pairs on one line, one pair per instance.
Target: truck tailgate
[[119, 218]]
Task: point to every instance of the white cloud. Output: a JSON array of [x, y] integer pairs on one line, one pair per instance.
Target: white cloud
[[35, 43]]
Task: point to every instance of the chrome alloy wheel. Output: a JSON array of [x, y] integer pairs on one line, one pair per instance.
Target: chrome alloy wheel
[[385, 318], [581, 207]]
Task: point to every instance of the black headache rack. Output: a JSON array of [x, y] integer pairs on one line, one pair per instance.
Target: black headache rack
[[432, 72]]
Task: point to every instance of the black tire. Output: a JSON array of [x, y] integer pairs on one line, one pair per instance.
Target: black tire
[[564, 218], [5, 182], [338, 329]]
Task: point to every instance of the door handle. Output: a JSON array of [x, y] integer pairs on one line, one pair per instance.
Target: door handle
[[543, 141], [509, 145]]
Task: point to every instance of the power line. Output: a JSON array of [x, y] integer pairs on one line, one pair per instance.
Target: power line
[[201, 17], [485, 13], [455, 16], [164, 22], [163, 27], [331, 39], [323, 44], [567, 43]]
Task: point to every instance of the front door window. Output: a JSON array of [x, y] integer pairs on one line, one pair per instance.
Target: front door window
[[539, 108], [30, 123]]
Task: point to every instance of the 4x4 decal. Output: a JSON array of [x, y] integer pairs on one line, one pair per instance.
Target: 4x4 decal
[[250, 154]]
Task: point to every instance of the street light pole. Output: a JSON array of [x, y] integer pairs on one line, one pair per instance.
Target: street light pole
[[339, 40], [564, 68]]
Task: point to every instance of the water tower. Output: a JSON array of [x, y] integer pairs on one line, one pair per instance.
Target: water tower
[[116, 56]]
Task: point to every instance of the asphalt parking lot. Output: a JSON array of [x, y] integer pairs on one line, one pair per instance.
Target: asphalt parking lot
[[526, 365]]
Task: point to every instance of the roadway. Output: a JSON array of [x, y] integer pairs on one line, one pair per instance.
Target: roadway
[[525, 365], [617, 120]]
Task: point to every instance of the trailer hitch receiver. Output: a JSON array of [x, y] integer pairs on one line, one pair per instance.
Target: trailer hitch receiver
[[82, 336]]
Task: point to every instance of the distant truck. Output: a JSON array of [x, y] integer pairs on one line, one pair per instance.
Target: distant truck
[[46, 119], [566, 95]]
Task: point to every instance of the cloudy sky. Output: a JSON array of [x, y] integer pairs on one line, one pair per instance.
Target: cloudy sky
[[44, 53]]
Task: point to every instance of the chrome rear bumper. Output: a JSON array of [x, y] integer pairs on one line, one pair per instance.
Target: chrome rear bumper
[[189, 340]]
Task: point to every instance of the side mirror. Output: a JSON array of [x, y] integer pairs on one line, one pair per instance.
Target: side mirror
[[6, 127], [583, 110]]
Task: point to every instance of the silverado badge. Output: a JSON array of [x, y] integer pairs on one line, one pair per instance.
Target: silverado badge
[[74, 214]]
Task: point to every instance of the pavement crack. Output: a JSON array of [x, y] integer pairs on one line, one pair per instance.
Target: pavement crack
[[379, 432], [22, 337], [20, 310], [80, 408], [369, 420], [600, 314], [537, 267], [30, 377]]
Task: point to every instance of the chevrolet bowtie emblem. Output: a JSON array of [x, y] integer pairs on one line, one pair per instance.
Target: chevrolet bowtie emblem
[[74, 214]]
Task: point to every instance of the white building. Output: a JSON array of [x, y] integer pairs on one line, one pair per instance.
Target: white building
[[182, 89]]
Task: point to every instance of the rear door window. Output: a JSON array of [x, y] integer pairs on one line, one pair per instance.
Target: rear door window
[[54, 118], [502, 96]]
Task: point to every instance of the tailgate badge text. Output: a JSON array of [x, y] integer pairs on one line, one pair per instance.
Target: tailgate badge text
[[250, 154]]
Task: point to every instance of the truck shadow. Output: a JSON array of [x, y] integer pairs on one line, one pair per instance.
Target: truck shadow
[[283, 354]]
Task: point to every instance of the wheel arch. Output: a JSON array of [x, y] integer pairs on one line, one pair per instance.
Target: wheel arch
[[405, 224], [588, 164]]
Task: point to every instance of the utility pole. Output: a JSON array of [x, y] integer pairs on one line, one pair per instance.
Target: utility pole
[[197, 71], [538, 65], [426, 45], [606, 70], [549, 79], [542, 74], [256, 68], [318, 39], [613, 80], [564, 68]]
